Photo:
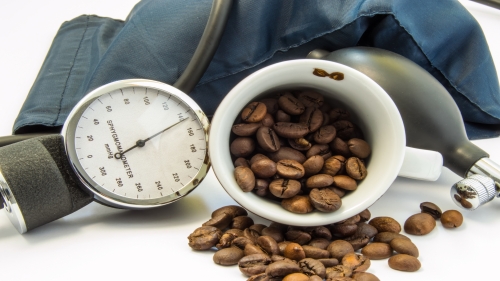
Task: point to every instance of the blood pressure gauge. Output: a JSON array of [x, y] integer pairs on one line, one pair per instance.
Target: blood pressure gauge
[[137, 144]]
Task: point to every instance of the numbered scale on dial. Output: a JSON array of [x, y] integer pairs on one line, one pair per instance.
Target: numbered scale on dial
[[138, 143]]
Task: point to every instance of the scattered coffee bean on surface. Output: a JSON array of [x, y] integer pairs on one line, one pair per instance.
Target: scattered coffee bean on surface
[[228, 256], [419, 224], [364, 276], [204, 238], [404, 246], [377, 251], [452, 219], [339, 248], [404, 262], [431, 209], [386, 224]]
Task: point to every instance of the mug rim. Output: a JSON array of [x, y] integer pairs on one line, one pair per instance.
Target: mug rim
[[220, 133]]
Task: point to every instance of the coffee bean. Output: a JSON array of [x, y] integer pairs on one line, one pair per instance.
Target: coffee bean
[[225, 241], [291, 105], [366, 230], [284, 188], [357, 262], [338, 271], [334, 165], [340, 147], [343, 230], [269, 245], [261, 187], [404, 246], [358, 241], [325, 200], [311, 266], [321, 232], [386, 237], [268, 139], [365, 215], [355, 168], [319, 180], [228, 256], [274, 232], [313, 117], [254, 112], [264, 168], [298, 236], [282, 116], [359, 147], [258, 227], [340, 192], [296, 277], [245, 129], [364, 276], [204, 238], [345, 129], [339, 248], [315, 253], [300, 144], [291, 130], [290, 169], [330, 262], [452, 219], [271, 104], [419, 224], [344, 182], [294, 251], [259, 277], [313, 165], [325, 134], [241, 242], [431, 209], [240, 161], [385, 224], [377, 251], [311, 99], [251, 249], [220, 221], [298, 204], [235, 232], [322, 150], [339, 114], [242, 146], [242, 222], [245, 178], [320, 243], [404, 262], [326, 119], [287, 153], [251, 234], [268, 120], [281, 269], [254, 264]]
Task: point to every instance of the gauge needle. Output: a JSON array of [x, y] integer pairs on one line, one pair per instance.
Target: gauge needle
[[141, 143]]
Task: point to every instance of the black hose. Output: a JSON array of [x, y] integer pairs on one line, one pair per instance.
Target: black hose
[[206, 47]]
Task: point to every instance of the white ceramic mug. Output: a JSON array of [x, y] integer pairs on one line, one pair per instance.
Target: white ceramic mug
[[371, 109]]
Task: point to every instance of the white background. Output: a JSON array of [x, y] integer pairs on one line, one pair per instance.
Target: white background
[[102, 243]]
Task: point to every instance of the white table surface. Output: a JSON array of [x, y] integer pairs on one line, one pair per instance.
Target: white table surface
[[101, 243]]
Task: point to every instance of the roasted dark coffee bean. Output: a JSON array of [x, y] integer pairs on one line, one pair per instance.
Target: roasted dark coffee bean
[[254, 112], [311, 99], [296, 277], [233, 210], [251, 249], [284, 188], [242, 146], [311, 266], [228, 256], [268, 139], [298, 204], [355, 168], [301, 144], [340, 147], [245, 129], [275, 258], [313, 165], [268, 120], [235, 232], [258, 227], [365, 215], [322, 150], [345, 129], [385, 224], [351, 220], [404, 262], [287, 153], [264, 168], [419, 224], [452, 219], [269, 245], [291, 130], [339, 248], [404, 246], [326, 119], [365, 229], [377, 251], [325, 134], [282, 116], [321, 243], [340, 192], [254, 264], [338, 271], [359, 147], [241, 242], [259, 277], [281, 269], [242, 222], [334, 165], [240, 161], [344, 182], [245, 178], [315, 253], [273, 232], [294, 251], [431, 209], [321, 232], [225, 241], [358, 242], [357, 262], [364, 276], [313, 118], [220, 221], [386, 237], [261, 187], [298, 236], [339, 114], [204, 238], [291, 105], [325, 200], [251, 234], [280, 226], [282, 245], [271, 104], [330, 262], [343, 230], [290, 169], [319, 180]]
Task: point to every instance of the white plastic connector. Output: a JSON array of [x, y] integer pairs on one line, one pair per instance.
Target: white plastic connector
[[421, 164]]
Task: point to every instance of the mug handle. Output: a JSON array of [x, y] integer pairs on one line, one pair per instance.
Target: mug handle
[[421, 164]]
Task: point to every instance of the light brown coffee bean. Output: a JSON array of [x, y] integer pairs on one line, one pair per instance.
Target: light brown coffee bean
[[241, 222], [204, 238], [264, 168], [269, 245], [259, 277], [294, 251], [244, 178], [235, 232], [296, 277], [340, 192], [254, 112], [404, 246], [334, 165], [320, 243], [274, 232], [220, 221], [325, 200], [245, 129], [241, 242], [284, 188], [313, 117], [268, 139], [331, 262], [287, 153], [364, 276], [357, 262], [291, 130], [340, 147], [280, 269], [313, 165], [251, 249], [404, 262], [311, 266], [251, 234], [377, 251], [240, 161], [254, 264], [225, 241], [261, 187], [290, 169], [345, 182], [228, 256], [386, 237], [319, 180], [419, 224], [315, 253], [322, 150], [298, 204], [452, 219], [339, 248], [386, 224], [355, 168], [242, 146], [359, 148], [298, 236], [338, 271], [257, 157]]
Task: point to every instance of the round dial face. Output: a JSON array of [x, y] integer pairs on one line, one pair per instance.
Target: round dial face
[[138, 144]]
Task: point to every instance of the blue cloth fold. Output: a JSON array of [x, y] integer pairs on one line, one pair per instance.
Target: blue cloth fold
[[158, 38]]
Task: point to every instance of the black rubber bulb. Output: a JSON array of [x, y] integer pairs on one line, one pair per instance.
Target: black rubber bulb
[[431, 117]]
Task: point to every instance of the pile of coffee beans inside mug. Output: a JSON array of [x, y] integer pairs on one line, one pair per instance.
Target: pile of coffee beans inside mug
[[335, 252], [297, 149]]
